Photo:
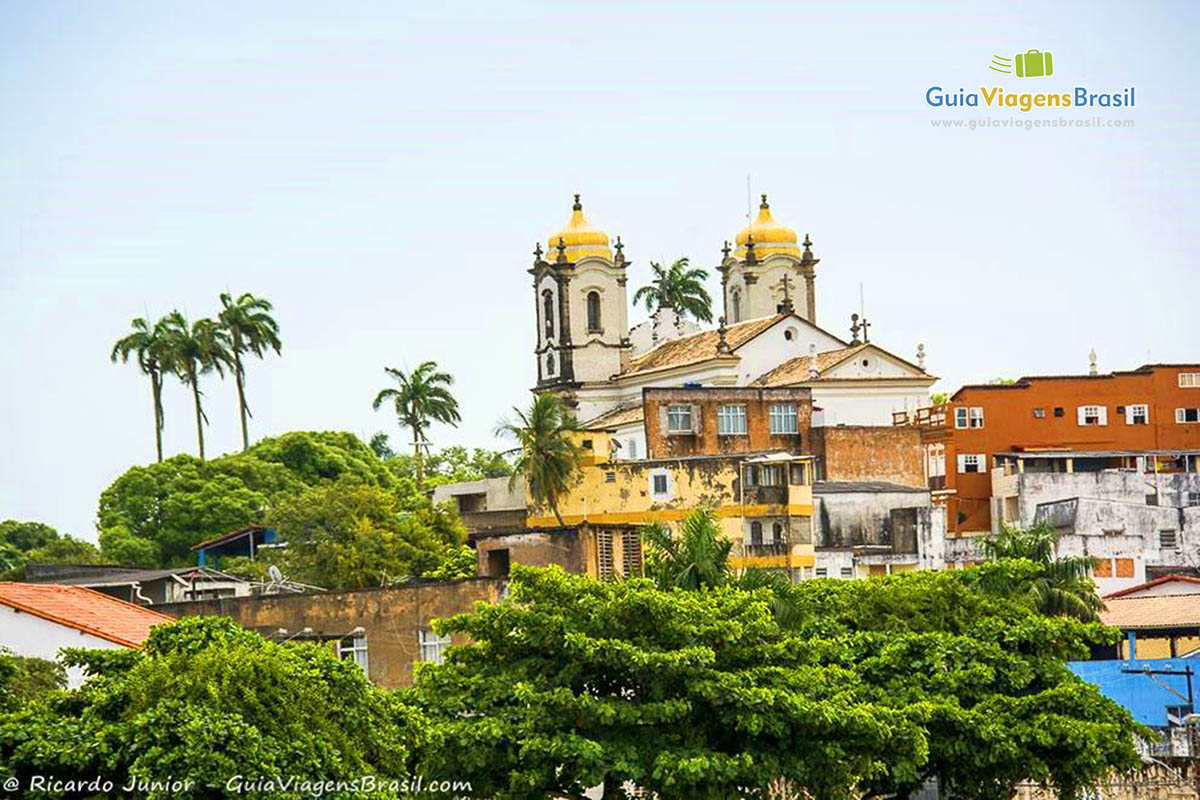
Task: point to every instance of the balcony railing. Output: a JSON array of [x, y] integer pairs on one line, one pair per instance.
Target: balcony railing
[[771, 549], [929, 417]]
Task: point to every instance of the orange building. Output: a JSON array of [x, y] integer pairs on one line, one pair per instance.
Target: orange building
[[1147, 417]]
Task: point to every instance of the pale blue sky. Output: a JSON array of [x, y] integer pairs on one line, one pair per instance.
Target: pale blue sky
[[382, 171]]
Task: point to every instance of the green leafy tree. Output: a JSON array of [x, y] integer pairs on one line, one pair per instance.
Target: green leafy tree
[[422, 398], [25, 680], [453, 464], [939, 398], [547, 455], [460, 562], [380, 445], [872, 689], [206, 701], [195, 350], [350, 535], [250, 328], [25, 536], [1061, 586], [148, 345], [679, 287], [182, 501], [697, 558], [576, 684], [63, 550]]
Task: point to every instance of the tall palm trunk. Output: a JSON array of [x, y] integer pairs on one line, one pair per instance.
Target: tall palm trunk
[[156, 387], [418, 459], [557, 515], [199, 413], [240, 379]]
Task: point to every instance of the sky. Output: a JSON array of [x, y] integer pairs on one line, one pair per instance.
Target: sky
[[382, 171]]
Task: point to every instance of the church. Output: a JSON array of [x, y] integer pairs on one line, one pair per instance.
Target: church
[[767, 335]]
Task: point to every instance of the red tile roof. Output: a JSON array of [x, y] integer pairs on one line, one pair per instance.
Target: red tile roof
[[1155, 611], [84, 610], [698, 347], [1156, 582]]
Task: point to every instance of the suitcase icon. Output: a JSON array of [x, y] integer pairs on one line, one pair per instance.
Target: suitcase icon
[[1034, 64]]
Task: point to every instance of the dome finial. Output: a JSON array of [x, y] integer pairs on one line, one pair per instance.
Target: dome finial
[[578, 205], [764, 202], [562, 251]]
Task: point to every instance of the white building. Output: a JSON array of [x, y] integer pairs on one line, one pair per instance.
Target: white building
[[767, 334], [39, 620]]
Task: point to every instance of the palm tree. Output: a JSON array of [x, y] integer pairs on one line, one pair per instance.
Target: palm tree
[[1062, 587], [193, 351], [697, 558], [251, 329], [423, 397], [679, 288], [148, 344], [547, 455]]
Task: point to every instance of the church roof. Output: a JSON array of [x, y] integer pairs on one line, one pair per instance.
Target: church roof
[[580, 238], [770, 237], [698, 347], [617, 417], [796, 370]]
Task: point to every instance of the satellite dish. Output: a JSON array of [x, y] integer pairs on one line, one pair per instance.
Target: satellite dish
[[275, 574]]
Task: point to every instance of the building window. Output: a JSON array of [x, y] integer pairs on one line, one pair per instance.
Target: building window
[[770, 475], [976, 417], [756, 533], [847, 572], [354, 648], [1137, 415], [799, 475], [679, 419], [548, 313], [783, 419], [736, 302], [1183, 415], [1167, 540], [777, 532], [822, 572], [971, 462], [610, 477], [631, 553], [658, 484], [1093, 415], [1058, 411], [1189, 380], [961, 417], [431, 646], [633, 448], [731, 420], [593, 312], [1193, 499], [1039, 413], [750, 475]]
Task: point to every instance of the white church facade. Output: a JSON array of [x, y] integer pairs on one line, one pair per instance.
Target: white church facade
[[767, 335]]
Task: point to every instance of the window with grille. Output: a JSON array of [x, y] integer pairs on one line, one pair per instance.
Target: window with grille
[[1167, 540], [679, 419], [822, 572], [847, 572], [631, 553], [354, 648], [731, 420], [1091, 415], [783, 419], [1137, 415], [432, 648], [604, 555]]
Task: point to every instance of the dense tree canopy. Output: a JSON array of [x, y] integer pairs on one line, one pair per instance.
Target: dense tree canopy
[[154, 514], [873, 686], [206, 701], [25, 542]]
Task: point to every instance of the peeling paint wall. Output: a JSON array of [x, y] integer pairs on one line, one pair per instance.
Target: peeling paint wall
[[870, 453], [391, 617]]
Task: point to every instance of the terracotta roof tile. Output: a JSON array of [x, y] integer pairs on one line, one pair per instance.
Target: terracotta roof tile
[[84, 610], [621, 415], [1141, 587], [1157, 611], [795, 370], [698, 346]]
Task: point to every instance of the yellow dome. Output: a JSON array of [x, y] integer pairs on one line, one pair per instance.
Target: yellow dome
[[581, 239], [769, 236]]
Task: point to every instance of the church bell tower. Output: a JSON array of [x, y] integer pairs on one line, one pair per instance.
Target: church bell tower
[[580, 306], [767, 271]]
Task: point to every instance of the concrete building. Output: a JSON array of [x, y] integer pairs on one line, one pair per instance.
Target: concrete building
[[870, 528], [384, 630], [144, 587], [39, 620], [491, 504]]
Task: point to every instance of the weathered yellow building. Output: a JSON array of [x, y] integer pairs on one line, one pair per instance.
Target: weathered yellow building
[[763, 502]]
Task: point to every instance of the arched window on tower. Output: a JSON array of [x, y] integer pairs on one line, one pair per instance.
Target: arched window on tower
[[736, 303], [548, 312], [593, 312]]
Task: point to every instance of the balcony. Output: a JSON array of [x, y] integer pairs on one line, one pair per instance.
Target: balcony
[[930, 417], [763, 550]]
